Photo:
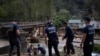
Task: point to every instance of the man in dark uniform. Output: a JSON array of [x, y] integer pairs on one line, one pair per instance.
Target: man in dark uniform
[[14, 38], [70, 36], [51, 33], [88, 37]]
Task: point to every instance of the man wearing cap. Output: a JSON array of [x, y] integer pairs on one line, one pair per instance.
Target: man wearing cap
[[88, 37], [51, 33], [14, 38], [69, 35]]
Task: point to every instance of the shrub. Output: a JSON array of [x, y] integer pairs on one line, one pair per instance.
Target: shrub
[[96, 48], [63, 15]]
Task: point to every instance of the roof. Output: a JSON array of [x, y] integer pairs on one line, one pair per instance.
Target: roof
[[75, 21]]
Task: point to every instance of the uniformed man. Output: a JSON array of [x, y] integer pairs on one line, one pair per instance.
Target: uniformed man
[[14, 38], [69, 36], [51, 33], [88, 37]]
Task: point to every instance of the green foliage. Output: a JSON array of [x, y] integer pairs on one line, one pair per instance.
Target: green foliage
[[97, 48], [24, 10], [63, 16], [33, 10], [57, 21], [53, 13], [2, 12], [41, 9], [96, 4]]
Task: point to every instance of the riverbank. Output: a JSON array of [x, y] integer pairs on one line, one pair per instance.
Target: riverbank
[[60, 47], [61, 44]]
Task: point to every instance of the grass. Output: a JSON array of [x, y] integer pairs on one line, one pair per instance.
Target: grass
[[96, 48]]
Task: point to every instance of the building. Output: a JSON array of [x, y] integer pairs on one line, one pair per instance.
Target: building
[[78, 23], [75, 23]]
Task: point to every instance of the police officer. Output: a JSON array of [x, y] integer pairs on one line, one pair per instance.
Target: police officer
[[69, 36], [14, 38], [88, 37], [51, 33]]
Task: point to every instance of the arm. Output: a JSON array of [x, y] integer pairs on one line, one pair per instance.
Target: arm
[[46, 40], [65, 34], [83, 39], [18, 32], [83, 36], [58, 35]]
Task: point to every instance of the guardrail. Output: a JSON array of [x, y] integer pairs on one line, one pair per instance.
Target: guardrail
[[24, 23], [6, 24]]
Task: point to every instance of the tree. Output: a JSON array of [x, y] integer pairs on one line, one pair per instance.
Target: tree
[[63, 16], [2, 12], [25, 10]]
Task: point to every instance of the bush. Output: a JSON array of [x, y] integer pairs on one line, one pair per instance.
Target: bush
[[58, 22], [63, 16], [2, 12], [96, 48]]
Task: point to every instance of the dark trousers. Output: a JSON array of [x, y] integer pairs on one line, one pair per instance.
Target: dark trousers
[[87, 49], [70, 47], [15, 43], [53, 44]]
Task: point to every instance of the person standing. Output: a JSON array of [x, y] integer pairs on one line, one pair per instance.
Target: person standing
[[88, 37], [51, 33], [14, 38], [69, 35]]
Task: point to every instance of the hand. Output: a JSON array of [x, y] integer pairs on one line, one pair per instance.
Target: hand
[[81, 46], [63, 38]]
